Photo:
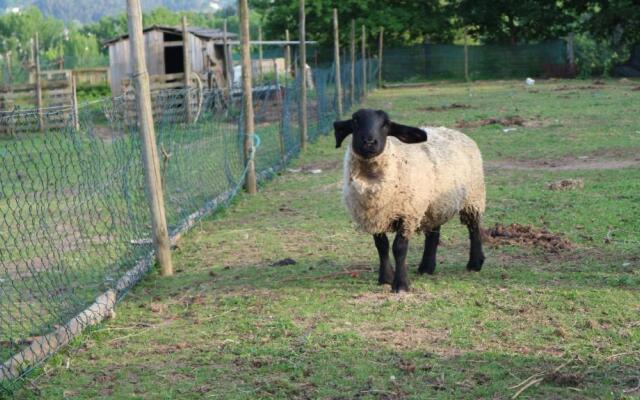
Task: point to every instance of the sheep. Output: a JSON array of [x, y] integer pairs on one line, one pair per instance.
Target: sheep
[[397, 181]]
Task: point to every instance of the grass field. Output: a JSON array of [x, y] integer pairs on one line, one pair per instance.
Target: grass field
[[236, 323]]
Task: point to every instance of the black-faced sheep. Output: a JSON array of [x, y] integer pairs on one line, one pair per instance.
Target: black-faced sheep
[[397, 181]]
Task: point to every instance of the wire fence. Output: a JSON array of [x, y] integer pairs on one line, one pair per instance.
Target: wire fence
[[402, 64], [74, 224], [447, 61]]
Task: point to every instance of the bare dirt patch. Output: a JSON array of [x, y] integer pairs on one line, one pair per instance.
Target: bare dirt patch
[[565, 379], [526, 236], [510, 121], [106, 133], [566, 184], [378, 298], [636, 89], [406, 338], [595, 86], [452, 106], [564, 164]]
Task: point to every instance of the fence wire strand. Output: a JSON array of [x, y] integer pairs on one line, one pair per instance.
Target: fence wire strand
[[74, 224]]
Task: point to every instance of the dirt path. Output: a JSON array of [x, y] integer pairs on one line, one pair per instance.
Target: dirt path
[[562, 165]]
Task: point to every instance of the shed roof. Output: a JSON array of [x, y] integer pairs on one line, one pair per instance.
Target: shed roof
[[205, 33]]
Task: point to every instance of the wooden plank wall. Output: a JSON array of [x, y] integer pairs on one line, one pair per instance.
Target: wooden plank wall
[[91, 77], [18, 101], [120, 64], [167, 98]]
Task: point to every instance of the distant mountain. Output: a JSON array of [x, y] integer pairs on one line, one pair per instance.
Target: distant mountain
[[92, 10]]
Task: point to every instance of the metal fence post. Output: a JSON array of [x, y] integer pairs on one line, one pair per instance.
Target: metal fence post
[[150, 162]]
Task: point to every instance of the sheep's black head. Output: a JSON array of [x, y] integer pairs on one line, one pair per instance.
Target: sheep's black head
[[370, 130]]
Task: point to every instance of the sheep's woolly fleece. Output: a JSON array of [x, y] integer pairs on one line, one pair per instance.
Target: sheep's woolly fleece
[[423, 185]]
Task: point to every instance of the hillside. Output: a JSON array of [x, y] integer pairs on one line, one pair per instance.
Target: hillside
[[90, 11]]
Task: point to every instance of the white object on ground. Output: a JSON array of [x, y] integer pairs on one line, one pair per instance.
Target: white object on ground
[[530, 82]]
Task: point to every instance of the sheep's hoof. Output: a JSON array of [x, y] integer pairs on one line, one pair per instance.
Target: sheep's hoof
[[475, 264], [385, 277], [385, 280], [398, 287], [427, 268]]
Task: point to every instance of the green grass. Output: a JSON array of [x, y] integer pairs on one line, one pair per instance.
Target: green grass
[[232, 325]]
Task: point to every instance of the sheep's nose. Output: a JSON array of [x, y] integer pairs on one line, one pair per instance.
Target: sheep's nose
[[370, 142]]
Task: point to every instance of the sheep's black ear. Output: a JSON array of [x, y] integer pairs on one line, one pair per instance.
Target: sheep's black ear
[[342, 130], [407, 134]]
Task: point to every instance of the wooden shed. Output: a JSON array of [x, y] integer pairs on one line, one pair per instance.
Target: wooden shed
[[164, 55]]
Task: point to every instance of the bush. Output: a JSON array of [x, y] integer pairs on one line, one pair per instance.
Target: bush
[[596, 57]]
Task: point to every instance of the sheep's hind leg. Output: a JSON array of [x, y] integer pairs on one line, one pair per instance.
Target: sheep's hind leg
[[401, 278], [428, 263], [476, 255], [386, 272]]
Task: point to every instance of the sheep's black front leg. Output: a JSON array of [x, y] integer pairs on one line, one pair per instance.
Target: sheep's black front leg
[[401, 278], [476, 255], [386, 272], [428, 263]]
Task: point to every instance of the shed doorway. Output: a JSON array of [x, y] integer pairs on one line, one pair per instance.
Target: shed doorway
[[173, 62]]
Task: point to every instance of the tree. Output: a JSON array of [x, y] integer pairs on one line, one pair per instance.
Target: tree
[[17, 29], [406, 22], [617, 21], [514, 21]]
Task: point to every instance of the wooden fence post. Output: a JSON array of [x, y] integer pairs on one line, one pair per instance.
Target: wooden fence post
[[36, 50], [571, 57], [466, 56], [364, 60], [336, 46], [284, 103], [227, 60], [287, 56], [303, 78], [247, 102], [186, 61], [280, 100], [260, 58], [32, 60], [380, 51], [150, 162], [7, 56], [352, 84], [74, 103]]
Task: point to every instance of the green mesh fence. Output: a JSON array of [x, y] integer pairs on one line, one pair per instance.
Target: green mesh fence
[[75, 229], [444, 61]]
